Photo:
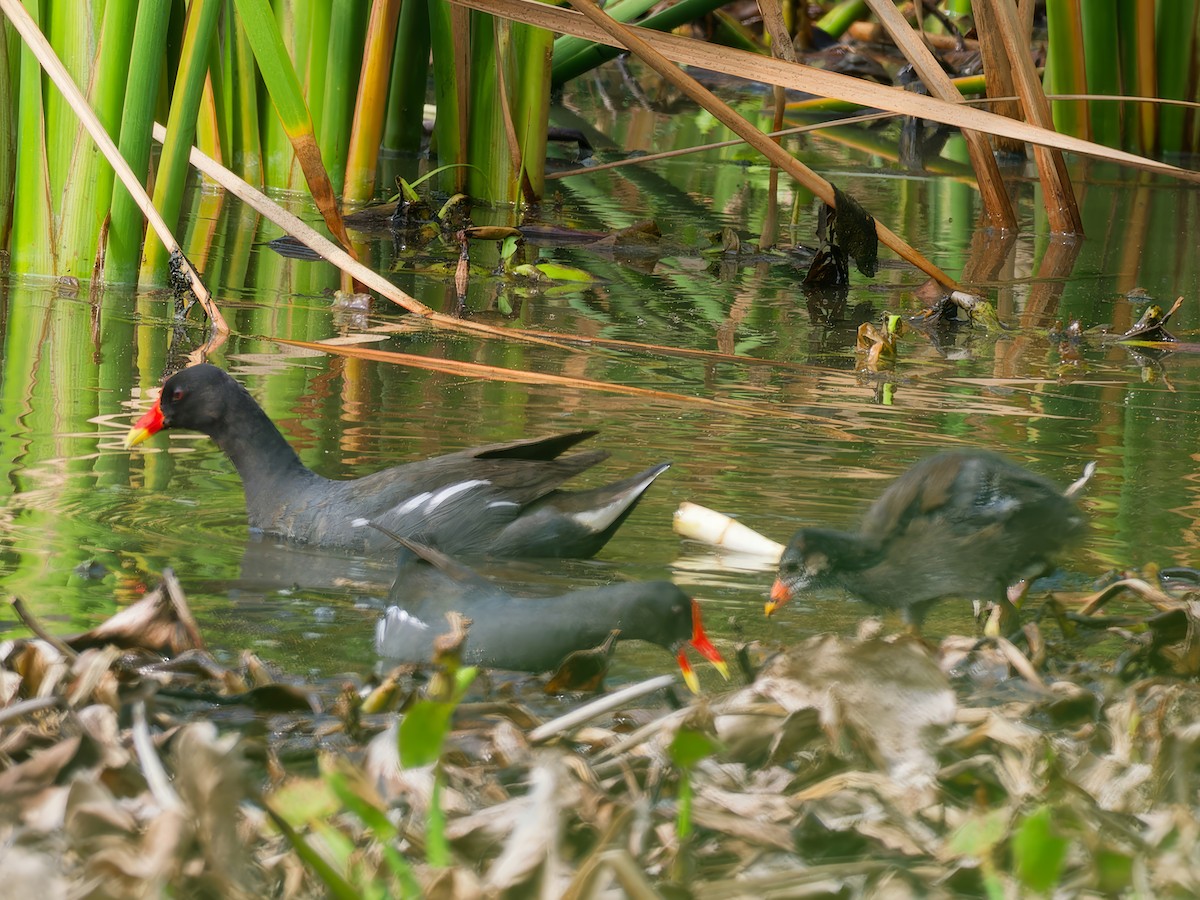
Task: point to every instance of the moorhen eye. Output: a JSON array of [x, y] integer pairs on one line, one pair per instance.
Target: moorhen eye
[[503, 499], [965, 524]]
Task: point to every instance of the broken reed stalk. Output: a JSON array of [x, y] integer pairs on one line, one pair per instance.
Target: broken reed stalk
[[731, 119], [997, 207], [1061, 208]]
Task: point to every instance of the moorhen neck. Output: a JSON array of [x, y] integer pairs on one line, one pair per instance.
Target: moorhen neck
[[502, 499], [965, 524], [532, 634]]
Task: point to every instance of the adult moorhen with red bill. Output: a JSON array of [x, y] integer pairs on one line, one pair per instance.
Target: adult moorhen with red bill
[[966, 523], [532, 634], [502, 499]]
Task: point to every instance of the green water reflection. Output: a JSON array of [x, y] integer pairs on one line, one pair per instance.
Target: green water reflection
[[77, 365]]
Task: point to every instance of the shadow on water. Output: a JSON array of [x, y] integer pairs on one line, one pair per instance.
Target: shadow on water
[[85, 525]]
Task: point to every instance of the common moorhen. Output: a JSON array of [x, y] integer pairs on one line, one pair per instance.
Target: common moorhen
[[532, 634], [965, 523], [502, 499]]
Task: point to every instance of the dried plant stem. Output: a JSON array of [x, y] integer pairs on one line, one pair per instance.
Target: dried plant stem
[[28, 708], [599, 707], [30, 621], [997, 207], [1061, 208], [152, 767], [182, 610]]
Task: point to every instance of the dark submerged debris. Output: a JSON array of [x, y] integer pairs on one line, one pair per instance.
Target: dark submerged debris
[[846, 231]]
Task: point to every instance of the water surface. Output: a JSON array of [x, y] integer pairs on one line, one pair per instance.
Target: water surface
[[85, 526]]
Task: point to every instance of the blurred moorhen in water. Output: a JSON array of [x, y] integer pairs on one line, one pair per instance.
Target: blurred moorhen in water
[[502, 499], [532, 634], [966, 523]]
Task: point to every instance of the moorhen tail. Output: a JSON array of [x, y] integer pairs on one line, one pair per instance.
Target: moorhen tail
[[502, 499], [964, 523], [532, 634]]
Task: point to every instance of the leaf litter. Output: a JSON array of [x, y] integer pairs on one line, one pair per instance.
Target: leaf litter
[[134, 763]]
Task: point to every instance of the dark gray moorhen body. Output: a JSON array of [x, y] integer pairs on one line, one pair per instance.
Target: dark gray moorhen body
[[502, 499], [965, 523], [531, 634]]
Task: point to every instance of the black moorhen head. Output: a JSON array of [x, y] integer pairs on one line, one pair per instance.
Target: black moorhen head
[[501, 499], [532, 634], [966, 523]]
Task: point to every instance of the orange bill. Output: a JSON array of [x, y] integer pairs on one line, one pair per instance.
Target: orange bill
[[780, 594], [149, 424]]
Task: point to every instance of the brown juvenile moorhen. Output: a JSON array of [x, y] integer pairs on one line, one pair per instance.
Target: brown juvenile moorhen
[[967, 523], [532, 634], [502, 499]]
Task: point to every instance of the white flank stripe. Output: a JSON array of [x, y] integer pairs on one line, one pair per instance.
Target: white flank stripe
[[452, 491], [413, 502]]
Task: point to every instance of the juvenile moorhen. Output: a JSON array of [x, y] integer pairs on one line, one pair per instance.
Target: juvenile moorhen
[[531, 634], [502, 499], [966, 523]]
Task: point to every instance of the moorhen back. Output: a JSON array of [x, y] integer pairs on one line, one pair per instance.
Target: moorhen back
[[966, 523], [531, 634], [501, 499]]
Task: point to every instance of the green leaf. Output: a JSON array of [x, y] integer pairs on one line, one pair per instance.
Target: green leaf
[[1039, 851], [337, 886], [302, 800], [424, 727], [1114, 871], [381, 828], [338, 846], [553, 272], [422, 731], [437, 848], [407, 192], [372, 816], [683, 818], [690, 746], [979, 834]]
